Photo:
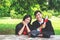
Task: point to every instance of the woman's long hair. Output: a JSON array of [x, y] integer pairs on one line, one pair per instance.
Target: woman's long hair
[[26, 16]]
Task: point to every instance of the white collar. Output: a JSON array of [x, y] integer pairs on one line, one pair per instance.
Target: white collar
[[41, 21]]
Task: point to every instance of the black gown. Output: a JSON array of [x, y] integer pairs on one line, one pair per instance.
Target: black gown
[[47, 31], [19, 26]]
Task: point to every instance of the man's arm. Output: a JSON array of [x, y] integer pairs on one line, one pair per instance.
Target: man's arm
[[48, 30], [49, 27]]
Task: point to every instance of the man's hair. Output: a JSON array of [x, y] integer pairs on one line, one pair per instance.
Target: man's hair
[[37, 12]]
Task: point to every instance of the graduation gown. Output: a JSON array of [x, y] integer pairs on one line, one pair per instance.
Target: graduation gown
[[19, 26], [47, 31]]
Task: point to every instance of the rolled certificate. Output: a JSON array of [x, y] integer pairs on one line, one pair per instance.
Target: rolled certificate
[[46, 20]]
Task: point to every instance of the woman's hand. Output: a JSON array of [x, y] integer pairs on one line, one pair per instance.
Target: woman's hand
[[24, 23], [28, 29]]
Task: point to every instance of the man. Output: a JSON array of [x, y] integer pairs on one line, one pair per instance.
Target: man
[[45, 29]]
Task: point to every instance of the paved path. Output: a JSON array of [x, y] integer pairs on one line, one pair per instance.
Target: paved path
[[22, 37]]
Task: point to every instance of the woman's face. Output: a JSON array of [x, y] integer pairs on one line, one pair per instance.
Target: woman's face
[[27, 20]]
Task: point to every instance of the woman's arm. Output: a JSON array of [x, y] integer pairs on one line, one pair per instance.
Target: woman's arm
[[21, 31], [28, 29]]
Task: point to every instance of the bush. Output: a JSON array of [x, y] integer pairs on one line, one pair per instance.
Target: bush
[[46, 13]]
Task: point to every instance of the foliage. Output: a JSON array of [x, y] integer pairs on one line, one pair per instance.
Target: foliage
[[22, 7]]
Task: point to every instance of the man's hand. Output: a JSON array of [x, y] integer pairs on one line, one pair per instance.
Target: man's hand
[[40, 35], [43, 25]]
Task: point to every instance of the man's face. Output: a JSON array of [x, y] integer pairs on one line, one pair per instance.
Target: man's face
[[38, 16]]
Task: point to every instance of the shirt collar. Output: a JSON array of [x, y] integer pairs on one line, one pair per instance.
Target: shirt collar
[[41, 21]]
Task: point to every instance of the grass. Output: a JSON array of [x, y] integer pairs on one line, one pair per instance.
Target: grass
[[56, 25], [7, 25]]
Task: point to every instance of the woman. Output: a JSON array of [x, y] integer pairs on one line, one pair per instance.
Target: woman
[[24, 27]]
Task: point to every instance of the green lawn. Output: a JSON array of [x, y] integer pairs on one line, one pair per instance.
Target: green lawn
[[7, 25], [56, 25]]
